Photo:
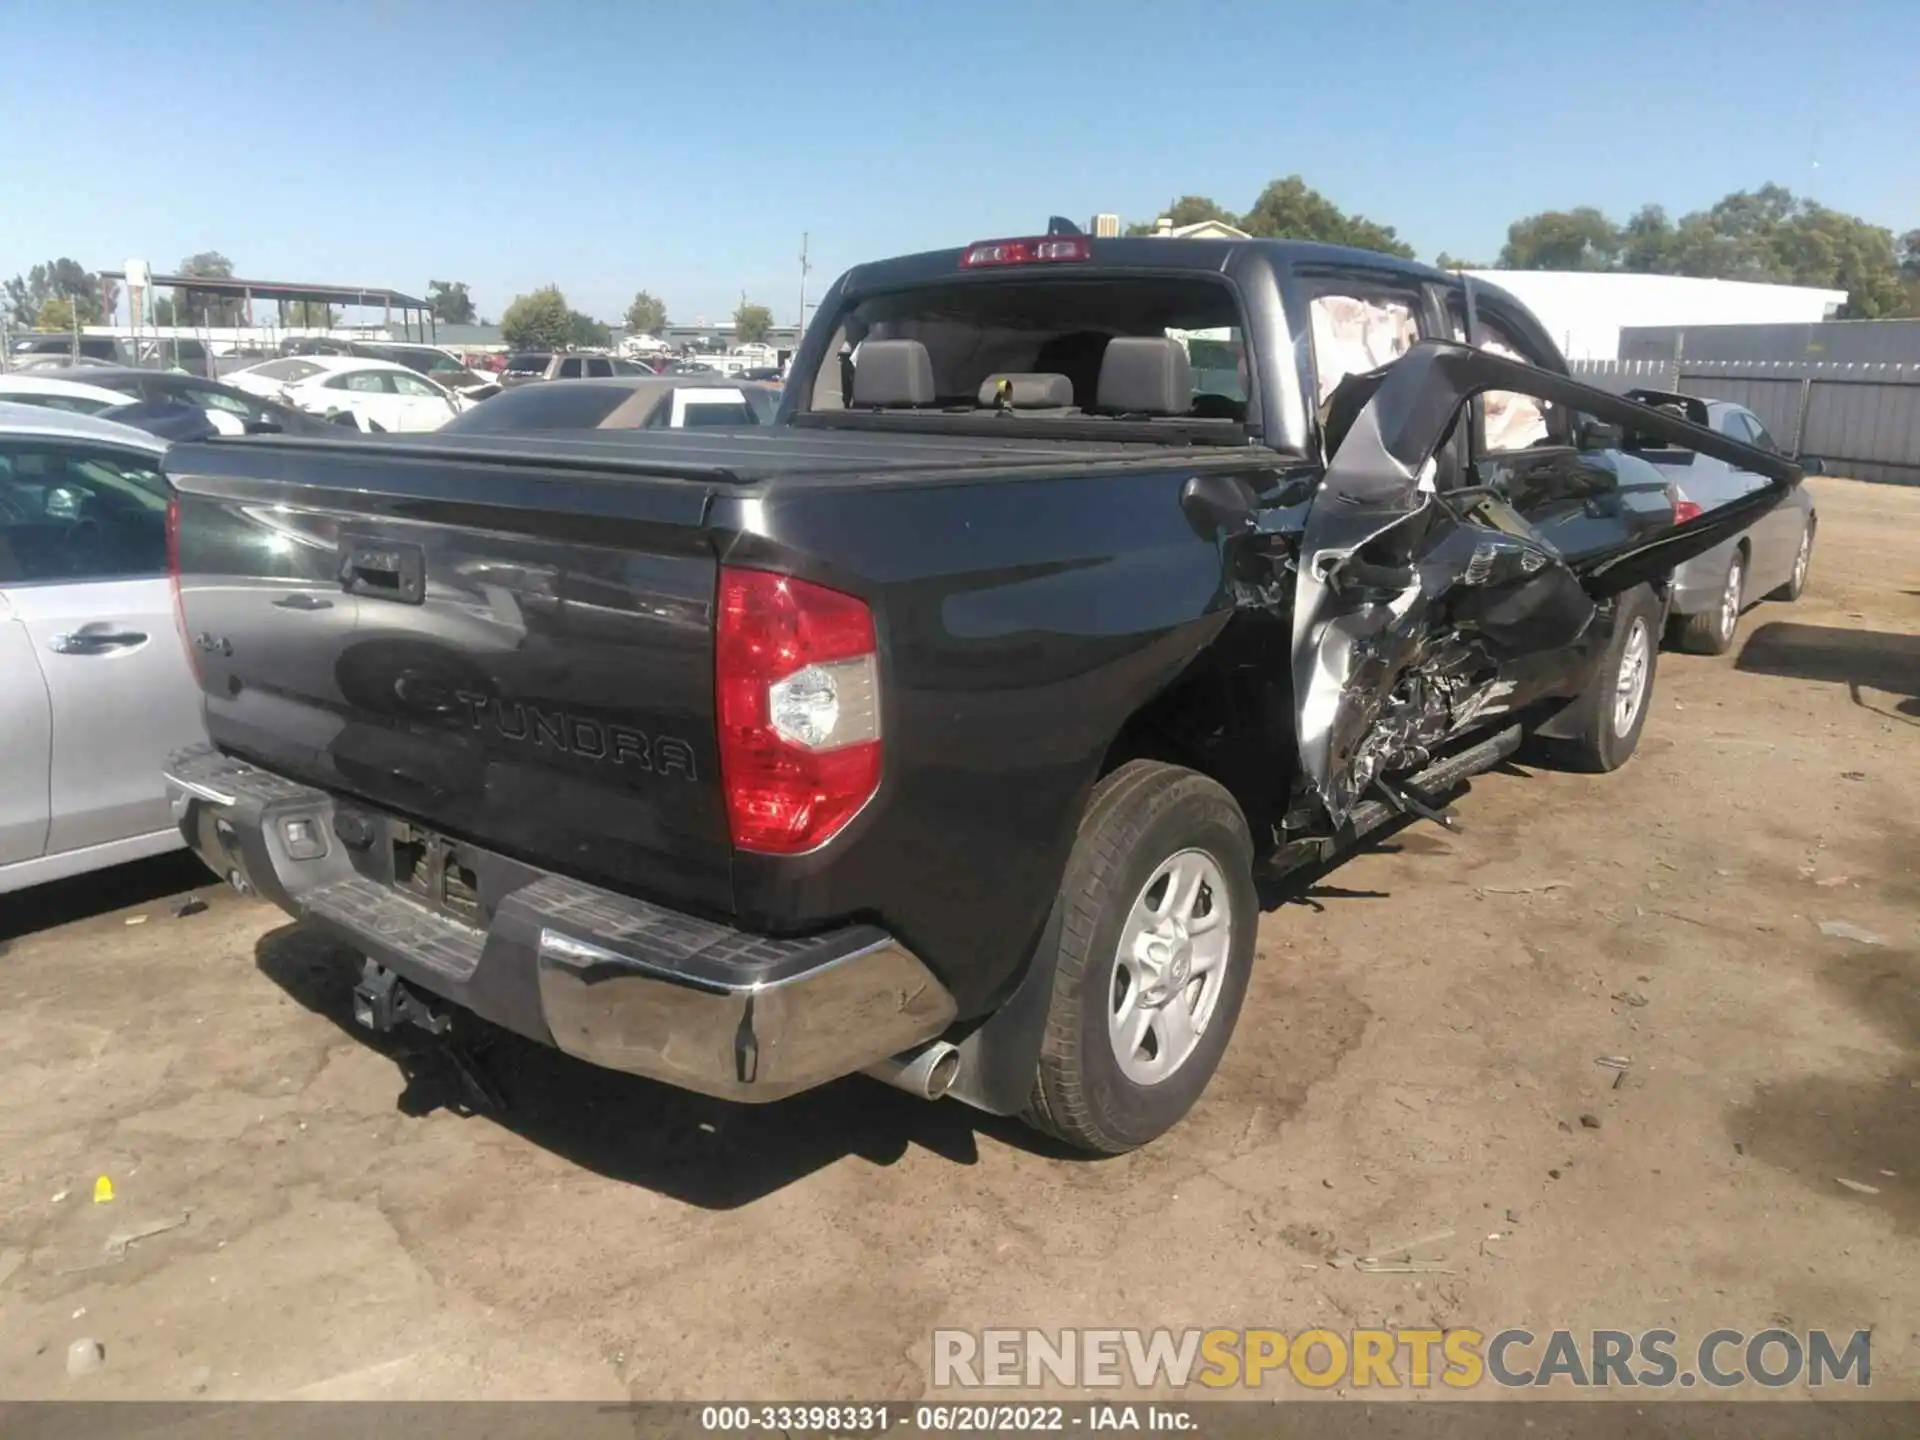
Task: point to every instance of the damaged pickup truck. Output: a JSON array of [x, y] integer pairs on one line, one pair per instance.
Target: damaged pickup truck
[[940, 729]]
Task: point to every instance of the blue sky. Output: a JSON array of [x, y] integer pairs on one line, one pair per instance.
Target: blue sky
[[681, 146]]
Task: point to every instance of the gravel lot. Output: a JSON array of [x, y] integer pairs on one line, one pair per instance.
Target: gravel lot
[[1415, 1056]]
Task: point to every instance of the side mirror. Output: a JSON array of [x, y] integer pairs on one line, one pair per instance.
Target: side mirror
[[1811, 465], [1592, 434]]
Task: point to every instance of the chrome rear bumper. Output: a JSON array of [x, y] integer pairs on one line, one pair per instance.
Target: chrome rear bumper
[[615, 981]]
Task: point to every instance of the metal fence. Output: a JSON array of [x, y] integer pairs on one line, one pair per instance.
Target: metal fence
[[1862, 419]]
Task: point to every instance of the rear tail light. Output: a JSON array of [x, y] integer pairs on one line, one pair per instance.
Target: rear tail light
[[797, 691], [173, 583], [1041, 250], [1685, 510]]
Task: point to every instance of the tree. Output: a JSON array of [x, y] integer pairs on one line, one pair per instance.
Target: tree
[[751, 323], [540, 321], [585, 332], [451, 303], [1767, 234], [1187, 210], [646, 315], [192, 309], [1288, 209], [55, 313], [163, 312], [1581, 239], [87, 295]]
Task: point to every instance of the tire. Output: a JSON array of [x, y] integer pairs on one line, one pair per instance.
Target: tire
[[1711, 632], [1143, 821], [1796, 585], [1601, 743]]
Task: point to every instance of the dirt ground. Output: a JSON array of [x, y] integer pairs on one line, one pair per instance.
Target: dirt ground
[[1415, 1056]]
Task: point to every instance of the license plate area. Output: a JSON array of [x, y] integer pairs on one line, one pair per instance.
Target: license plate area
[[435, 871]]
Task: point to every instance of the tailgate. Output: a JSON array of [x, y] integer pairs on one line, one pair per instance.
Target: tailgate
[[515, 653]]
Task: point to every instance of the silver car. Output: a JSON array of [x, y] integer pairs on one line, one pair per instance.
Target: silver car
[[1769, 560], [95, 688]]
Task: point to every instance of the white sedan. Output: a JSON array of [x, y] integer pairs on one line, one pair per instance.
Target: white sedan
[[378, 394], [72, 396]]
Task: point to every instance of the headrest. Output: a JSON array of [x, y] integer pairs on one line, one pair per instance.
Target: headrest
[[1033, 391], [1146, 374], [892, 372]]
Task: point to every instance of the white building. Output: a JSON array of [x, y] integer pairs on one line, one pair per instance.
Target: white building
[[1584, 310]]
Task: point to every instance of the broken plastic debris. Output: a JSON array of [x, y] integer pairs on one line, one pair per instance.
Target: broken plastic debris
[[85, 1356], [1847, 930], [60, 1196], [1615, 1062], [102, 1190], [136, 919], [1856, 1186]]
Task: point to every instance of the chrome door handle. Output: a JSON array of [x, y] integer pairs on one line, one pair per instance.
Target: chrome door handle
[[88, 641]]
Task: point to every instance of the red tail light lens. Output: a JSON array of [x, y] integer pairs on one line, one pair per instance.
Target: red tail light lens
[[173, 577], [796, 686], [1685, 510], [1041, 250]]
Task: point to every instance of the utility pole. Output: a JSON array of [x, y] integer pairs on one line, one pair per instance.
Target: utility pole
[[804, 268]]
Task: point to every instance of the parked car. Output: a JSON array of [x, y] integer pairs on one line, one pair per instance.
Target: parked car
[[1768, 560], [95, 689], [525, 366], [61, 347], [378, 394], [54, 390], [645, 402], [232, 410], [937, 730]]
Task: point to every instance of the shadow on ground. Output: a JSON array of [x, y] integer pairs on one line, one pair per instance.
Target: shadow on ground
[[62, 902], [1879, 659], [1827, 1128], [704, 1152]]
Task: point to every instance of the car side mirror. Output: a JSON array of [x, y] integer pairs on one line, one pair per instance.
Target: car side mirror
[[1811, 465], [1592, 434]]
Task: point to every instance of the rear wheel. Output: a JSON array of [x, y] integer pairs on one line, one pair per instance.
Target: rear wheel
[[1607, 718], [1796, 585], [1711, 632], [1155, 923]]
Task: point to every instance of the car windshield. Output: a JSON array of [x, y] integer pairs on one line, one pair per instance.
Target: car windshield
[[285, 371], [541, 407], [1050, 337]]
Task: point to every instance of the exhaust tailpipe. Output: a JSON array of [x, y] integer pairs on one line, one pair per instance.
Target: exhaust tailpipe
[[926, 1072]]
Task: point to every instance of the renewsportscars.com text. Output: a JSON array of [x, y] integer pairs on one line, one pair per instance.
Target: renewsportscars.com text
[[1460, 1359]]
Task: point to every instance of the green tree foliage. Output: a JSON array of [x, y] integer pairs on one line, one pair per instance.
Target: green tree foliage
[[752, 322], [85, 293], [451, 303], [1187, 210], [540, 321], [647, 315], [1767, 234], [1290, 210], [55, 313], [191, 309], [584, 332]]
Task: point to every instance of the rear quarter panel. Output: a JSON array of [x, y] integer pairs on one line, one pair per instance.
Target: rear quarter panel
[[1020, 622]]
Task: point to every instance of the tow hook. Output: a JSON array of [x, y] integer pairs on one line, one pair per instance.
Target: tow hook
[[383, 1002]]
